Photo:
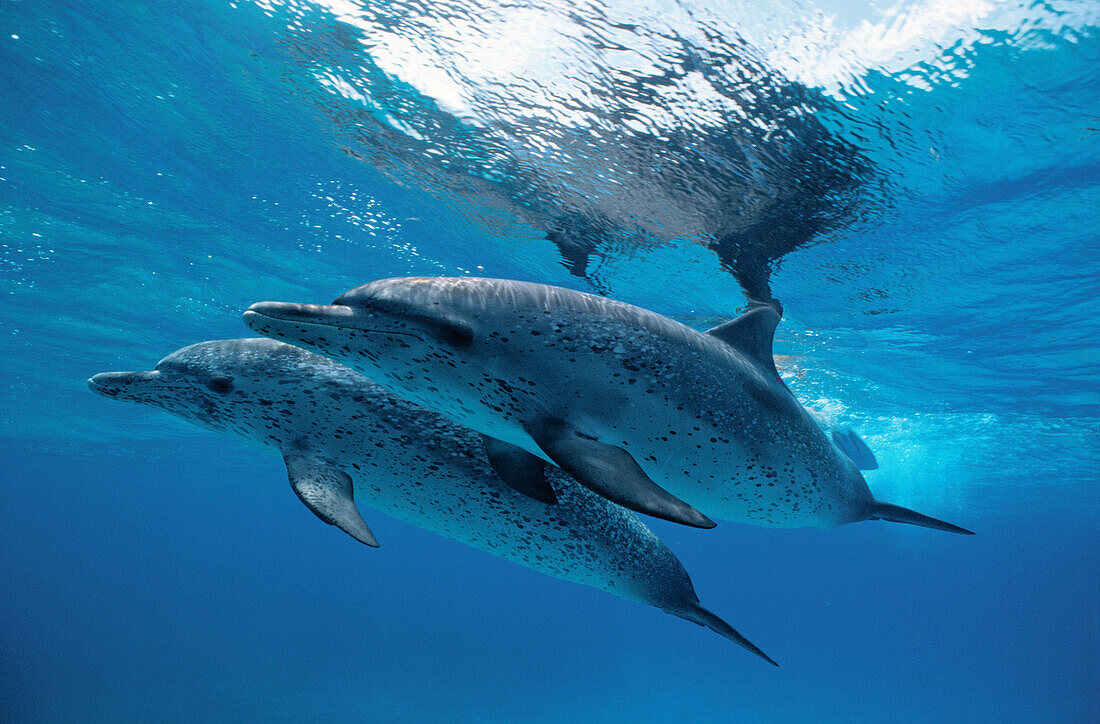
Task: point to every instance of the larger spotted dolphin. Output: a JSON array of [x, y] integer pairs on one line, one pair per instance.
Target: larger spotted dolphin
[[636, 406], [345, 438]]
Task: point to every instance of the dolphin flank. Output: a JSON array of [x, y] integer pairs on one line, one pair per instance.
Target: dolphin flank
[[345, 439], [639, 408]]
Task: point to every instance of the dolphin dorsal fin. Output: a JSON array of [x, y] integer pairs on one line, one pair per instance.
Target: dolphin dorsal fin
[[751, 334]]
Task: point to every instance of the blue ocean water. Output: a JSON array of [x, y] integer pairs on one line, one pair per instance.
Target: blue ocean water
[[918, 183]]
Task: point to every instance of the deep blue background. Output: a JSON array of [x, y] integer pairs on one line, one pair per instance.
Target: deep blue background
[[138, 587]]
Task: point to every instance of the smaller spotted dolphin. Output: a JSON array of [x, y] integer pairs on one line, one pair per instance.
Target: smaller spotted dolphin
[[639, 408], [344, 438]]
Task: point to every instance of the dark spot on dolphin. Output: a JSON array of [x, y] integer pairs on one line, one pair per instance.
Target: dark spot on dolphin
[[222, 384]]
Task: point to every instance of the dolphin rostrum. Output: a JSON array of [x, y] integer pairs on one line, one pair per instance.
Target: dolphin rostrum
[[639, 408], [344, 438]]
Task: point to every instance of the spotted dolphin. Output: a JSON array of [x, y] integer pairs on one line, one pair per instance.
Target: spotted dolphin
[[344, 438], [639, 408]]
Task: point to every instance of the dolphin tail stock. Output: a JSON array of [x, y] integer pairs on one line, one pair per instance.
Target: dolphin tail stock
[[695, 613], [898, 514]]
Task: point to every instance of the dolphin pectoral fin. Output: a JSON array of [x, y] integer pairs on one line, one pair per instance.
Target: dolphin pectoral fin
[[612, 473], [521, 470], [699, 615], [852, 445], [898, 514], [327, 491]]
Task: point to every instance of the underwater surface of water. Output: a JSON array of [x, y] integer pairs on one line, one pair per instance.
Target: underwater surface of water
[[917, 183]]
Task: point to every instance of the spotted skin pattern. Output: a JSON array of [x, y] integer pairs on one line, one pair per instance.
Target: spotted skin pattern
[[705, 421], [412, 464]]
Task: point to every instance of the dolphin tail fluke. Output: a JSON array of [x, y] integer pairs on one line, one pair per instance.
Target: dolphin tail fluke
[[898, 514], [697, 614]]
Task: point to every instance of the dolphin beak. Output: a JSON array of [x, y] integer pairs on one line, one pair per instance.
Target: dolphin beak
[[112, 384], [324, 314]]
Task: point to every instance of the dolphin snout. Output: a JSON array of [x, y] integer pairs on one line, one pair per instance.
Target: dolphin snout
[[110, 384], [303, 313]]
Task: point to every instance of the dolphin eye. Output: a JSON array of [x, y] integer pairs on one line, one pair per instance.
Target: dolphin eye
[[221, 384]]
